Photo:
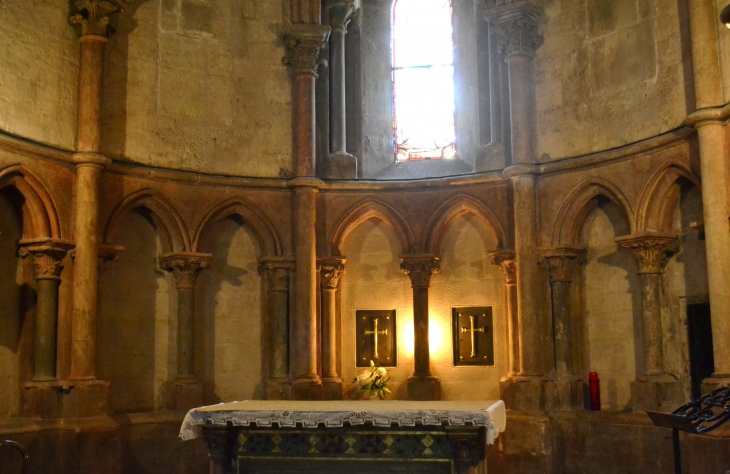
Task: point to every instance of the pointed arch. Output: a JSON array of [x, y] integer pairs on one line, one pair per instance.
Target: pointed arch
[[572, 215], [657, 201], [451, 210], [262, 227], [365, 210], [169, 223], [40, 215]]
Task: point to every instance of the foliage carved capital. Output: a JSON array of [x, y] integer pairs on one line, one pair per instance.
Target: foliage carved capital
[[47, 255], [331, 269], [304, 43], [506, 261], [94, 16], [651, 251], [341, 13], [420, 268], [277, 273], [516, 25], [185, 266], [562, 261]]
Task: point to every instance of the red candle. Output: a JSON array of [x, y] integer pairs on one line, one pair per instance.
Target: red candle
[[595, 389]]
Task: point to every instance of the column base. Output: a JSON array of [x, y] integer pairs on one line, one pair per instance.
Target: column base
[[423, 388], [341, 166], [564, 394], [85, 399], [332, 389], [657, 393], [42, 400], [306, 389], [183, 394], [715, 382], [278, 389], [523, 393]]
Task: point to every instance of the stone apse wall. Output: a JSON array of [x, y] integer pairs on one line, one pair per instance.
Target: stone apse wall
[[197, 118]]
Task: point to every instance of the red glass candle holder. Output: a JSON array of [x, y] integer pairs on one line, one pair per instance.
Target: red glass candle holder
[[594, 386]]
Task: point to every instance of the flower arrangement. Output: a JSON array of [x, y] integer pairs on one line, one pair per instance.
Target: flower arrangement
[[373, 381]]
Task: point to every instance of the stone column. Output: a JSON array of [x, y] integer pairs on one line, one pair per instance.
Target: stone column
[[304, 44], [341, 165], [654, 389], [47, 258], [331, 269], [276, 272], [710, 122], [506, 260], [422, 385], [565, 390], [186, 391]]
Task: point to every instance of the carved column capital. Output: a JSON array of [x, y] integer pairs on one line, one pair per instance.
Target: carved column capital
[[650, 250], [185, 266], [419, 268], [516, 24], [304, 43], [94, 16], [506, 260], [48, 255], [277, 273], [341, 13], [562, 261], [331, 269]]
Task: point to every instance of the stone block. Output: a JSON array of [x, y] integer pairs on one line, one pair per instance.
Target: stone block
[[85, 399], [183, 394], [523, 394], [562, 395], [278, 389], [661, 393], [423, 388], [42, 400], [713, 383], [341, 166], [332, 390], [306, 390]]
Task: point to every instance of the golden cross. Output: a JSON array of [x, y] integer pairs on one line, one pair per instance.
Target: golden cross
[[375, 333], [472, 330]]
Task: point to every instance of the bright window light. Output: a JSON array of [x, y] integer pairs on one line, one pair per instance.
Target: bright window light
[[423, 79]]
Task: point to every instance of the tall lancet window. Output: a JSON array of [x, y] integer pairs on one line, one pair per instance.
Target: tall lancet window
[[423, 79]]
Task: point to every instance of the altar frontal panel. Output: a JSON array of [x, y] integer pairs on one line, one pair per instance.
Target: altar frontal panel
[[376, 337], [473, 335]]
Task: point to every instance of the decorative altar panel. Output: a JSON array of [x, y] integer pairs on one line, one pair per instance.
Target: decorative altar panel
[[279, 437]]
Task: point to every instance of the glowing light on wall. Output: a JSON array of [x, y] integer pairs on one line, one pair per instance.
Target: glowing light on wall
[[437, 338]]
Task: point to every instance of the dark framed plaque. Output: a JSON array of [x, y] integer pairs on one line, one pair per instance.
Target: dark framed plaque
[[473, 335], [376, 338]]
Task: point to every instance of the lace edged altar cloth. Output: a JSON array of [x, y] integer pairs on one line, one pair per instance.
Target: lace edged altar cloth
[[336, 414]]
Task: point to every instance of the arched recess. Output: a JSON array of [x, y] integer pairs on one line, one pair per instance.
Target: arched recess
[[364, 211], [160, 211], [451, 210], [262, 227], [572, 215], [659, 199], [40, 216]]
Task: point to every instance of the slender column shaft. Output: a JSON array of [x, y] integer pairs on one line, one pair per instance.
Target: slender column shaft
[[705, 57], [305, 343], [421, 355], [46, 328], [527, 278], [304, 125], [329, 333], [277, 273], [562, 326], [651, 313], [279, 359], [716, 205], [520, 77], [90, 87], [512, 328], [495, 88], [338, 120], [83, 345]]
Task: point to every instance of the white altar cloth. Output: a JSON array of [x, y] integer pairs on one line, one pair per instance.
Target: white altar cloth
[[309, 414]]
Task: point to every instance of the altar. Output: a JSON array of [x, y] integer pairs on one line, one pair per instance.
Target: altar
[[338, 437]]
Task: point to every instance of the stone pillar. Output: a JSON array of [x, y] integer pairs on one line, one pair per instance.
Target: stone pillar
[[331, 269], [565, 389], [710, 122], [304, 44], [506, 260], [89, 397], [341, 165], [654, 389], [47, 258], [422, 385], [185, 392], [276, 272]]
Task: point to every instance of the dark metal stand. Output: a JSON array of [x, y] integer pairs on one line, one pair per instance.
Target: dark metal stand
[[18, 447], [700, 416]]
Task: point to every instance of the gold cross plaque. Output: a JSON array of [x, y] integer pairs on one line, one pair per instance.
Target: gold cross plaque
[[473, 334], [376, 337]]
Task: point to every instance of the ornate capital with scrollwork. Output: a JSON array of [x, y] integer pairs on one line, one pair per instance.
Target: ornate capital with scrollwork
[[331, 269], [506, 260], [48, 255], [516, 24], [185, 266], [651, 250], [562, 260], [277, 273], [304, 43], [341, 12], [419, 268], [94, 16]]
